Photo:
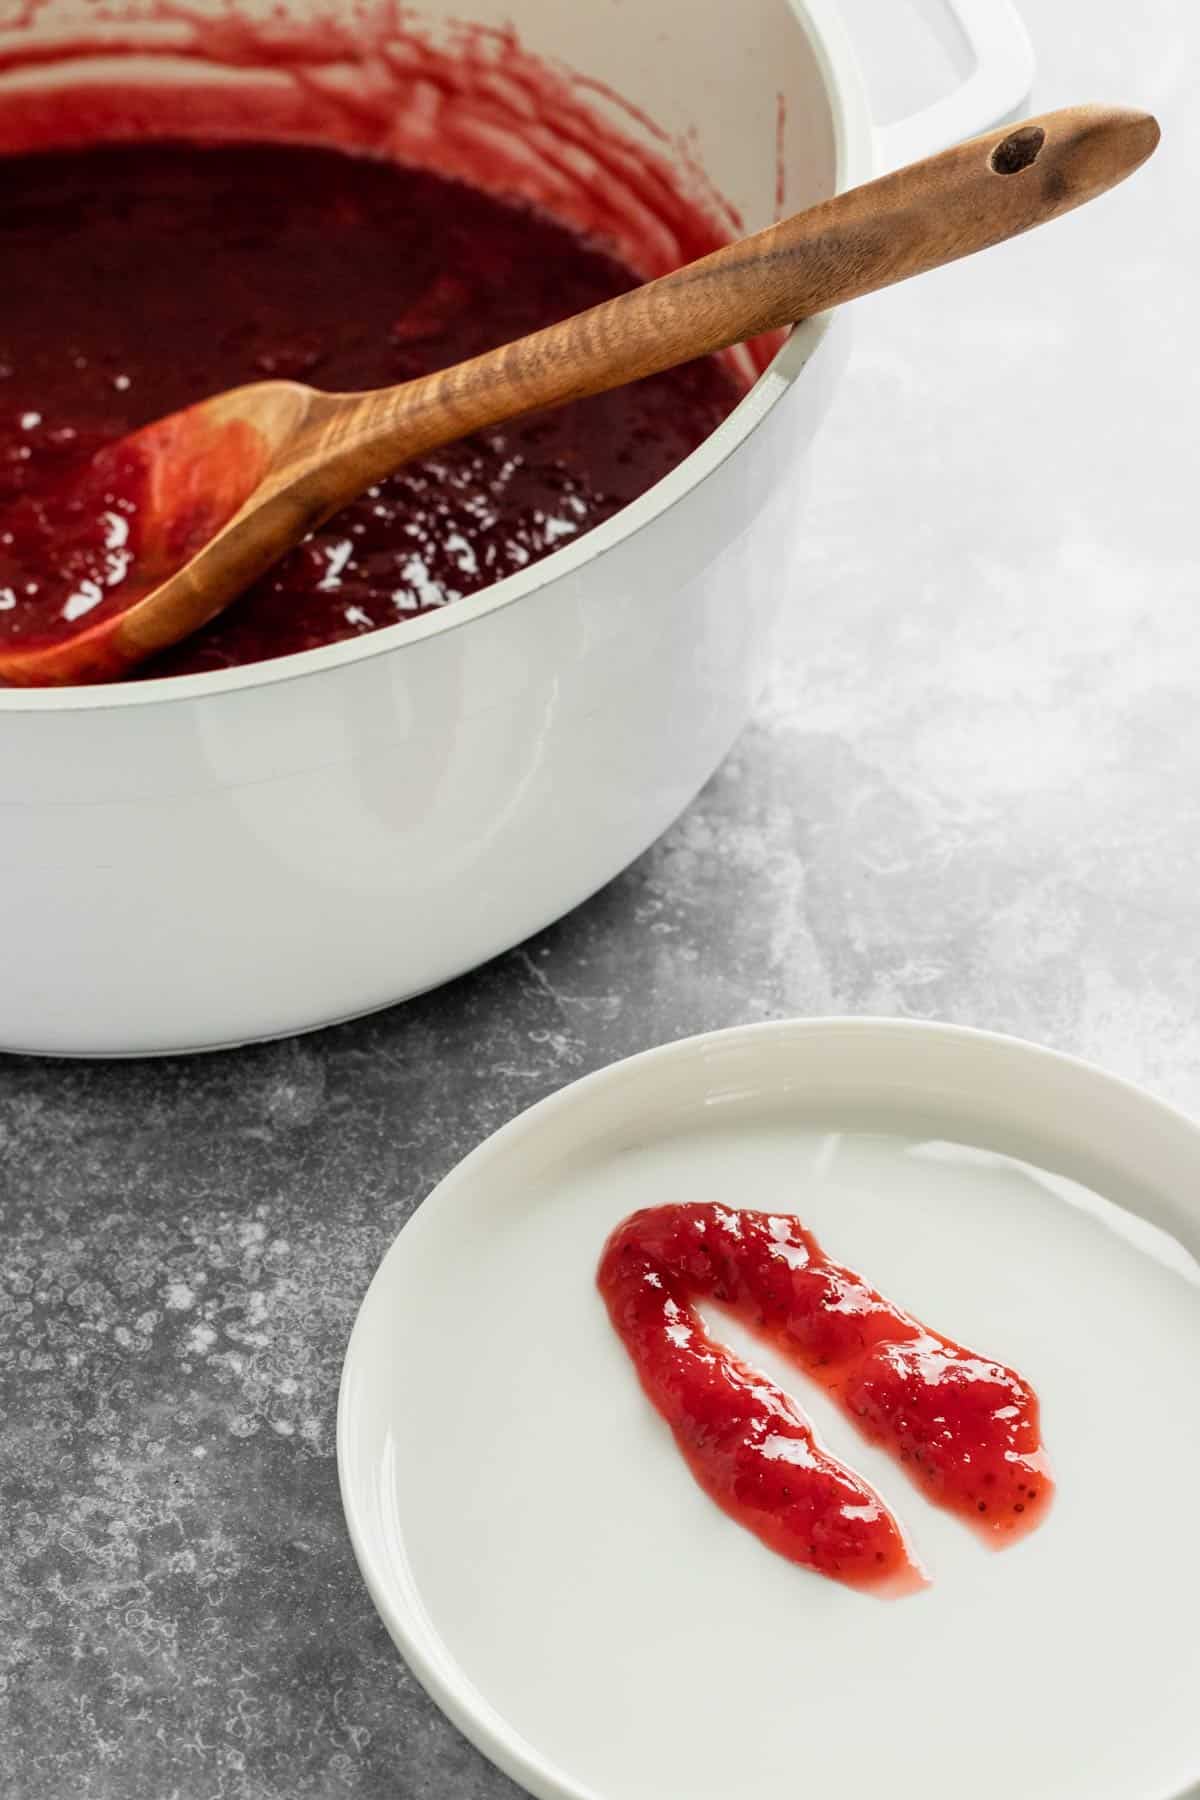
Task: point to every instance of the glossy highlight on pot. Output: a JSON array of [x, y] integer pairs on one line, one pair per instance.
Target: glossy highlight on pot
[[964, 1428]]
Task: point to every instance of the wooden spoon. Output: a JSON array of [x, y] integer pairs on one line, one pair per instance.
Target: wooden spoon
[[237, 480]]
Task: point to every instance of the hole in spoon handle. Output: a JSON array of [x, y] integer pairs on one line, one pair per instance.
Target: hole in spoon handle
[[1017, 151]]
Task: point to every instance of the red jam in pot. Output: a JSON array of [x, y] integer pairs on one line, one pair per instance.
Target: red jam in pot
[[141, 277], [966, 1429]]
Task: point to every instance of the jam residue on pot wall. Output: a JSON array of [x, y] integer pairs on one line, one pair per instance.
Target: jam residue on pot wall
[[168, 237], [469, 102], [964, 1428]]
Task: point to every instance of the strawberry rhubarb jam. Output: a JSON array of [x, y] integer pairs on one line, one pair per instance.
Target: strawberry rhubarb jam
[[964, 1428], [139, 277]]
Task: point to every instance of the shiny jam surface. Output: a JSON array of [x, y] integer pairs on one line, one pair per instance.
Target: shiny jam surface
[[964, 1428], [140, 277]]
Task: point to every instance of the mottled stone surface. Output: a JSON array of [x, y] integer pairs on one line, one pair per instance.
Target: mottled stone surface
[[972, 791]]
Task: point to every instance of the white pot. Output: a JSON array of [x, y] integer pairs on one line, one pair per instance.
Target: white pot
[[219, 858]]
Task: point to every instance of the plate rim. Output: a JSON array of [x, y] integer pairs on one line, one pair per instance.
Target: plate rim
[[441, 1677]]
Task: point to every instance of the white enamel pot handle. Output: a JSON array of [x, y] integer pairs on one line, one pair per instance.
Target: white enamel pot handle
[[997, 86]]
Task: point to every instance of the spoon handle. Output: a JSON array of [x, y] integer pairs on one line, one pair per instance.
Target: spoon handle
[[933, 212]]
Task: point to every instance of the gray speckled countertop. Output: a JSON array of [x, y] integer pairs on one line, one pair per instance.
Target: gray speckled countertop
[[971, 791]]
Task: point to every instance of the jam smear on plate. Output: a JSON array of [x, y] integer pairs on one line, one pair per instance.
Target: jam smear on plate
[[965, 1428]]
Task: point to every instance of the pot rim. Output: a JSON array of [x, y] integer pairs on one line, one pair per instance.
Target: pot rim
[[854, 157]]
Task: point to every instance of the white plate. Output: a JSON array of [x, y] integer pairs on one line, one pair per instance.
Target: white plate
[[550, 1570]]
